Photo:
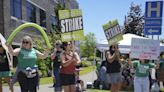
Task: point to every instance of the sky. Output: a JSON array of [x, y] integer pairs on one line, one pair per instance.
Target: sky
[[99, 12]]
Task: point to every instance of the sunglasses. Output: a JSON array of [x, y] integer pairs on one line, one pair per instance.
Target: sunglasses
[[69, 44], [25, 42], [58, 44]]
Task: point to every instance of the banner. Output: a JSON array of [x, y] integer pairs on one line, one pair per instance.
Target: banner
[[112, 32], [71, 23], [145, 49]]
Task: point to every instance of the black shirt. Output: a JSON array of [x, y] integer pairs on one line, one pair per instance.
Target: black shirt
[[4, 64], [57, 60], [113, 67]]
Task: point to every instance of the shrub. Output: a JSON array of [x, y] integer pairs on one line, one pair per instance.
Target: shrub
[[91, 58], [86, 63], [44, 66]]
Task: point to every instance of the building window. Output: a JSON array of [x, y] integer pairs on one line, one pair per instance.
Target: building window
[[42, 18], [31, 12], [62, 2], [16, 8], [53, 22]]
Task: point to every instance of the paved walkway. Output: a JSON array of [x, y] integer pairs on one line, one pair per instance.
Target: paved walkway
[[43, 88], [90, 77]]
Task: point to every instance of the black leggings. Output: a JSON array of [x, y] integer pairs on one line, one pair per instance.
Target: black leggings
[[27, 84]]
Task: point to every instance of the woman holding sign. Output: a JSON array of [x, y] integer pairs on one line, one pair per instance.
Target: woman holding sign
[[114, 67], [69, 60], [27, 69], [4, 68]]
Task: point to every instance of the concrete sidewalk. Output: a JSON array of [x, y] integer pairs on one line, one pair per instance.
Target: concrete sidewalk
[[89, 77], [42, 88]]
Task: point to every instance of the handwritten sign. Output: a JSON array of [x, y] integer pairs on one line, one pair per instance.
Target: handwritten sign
[[112, 32], [145, 49]]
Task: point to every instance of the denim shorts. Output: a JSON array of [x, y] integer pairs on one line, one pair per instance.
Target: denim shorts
[[114, 77]]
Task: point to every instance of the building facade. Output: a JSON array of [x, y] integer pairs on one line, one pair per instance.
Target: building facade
[[16, 12]]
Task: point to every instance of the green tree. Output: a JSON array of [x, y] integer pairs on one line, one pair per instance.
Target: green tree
[[134, 21], [55, 34], [56, 9], [88, 46], [162, 40], [43, 64]]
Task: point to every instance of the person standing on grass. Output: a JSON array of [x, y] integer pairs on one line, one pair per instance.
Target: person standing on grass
[[114, 68], [69, 60], [55, 57], [27, 69]]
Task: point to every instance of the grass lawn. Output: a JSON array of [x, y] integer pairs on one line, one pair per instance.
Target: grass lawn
[[47, 80], [86, 70], [162, 89], [95, 90]]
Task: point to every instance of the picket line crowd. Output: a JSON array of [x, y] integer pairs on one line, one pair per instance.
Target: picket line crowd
[[115, 72], [64, 58], [120, 71]]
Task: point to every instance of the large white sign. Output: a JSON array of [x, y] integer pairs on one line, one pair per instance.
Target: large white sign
[[145, 49]]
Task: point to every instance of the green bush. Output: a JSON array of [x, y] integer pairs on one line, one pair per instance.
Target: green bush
[[91, 58], [86, 63], [98, 59], [44, 66]]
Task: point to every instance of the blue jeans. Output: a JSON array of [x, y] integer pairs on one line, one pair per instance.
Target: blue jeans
[[141, 84], [57, 84]]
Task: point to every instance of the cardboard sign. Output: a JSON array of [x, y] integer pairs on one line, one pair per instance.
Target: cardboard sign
[[112, 32], [71, 23], [145, 49]]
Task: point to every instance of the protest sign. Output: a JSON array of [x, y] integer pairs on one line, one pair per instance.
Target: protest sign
[[145, 49], [71, 23], [112, 32]]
